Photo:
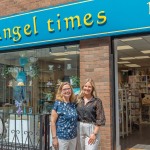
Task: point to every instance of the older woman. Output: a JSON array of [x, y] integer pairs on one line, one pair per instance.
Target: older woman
[[90, 116], [64, 119]]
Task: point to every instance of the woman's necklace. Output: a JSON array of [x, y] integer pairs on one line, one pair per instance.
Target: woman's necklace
[[86, 100]]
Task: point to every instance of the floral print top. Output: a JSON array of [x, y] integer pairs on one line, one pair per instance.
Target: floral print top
[[66, 124]]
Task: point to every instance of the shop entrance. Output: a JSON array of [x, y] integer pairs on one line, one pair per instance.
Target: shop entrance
[[133, 89]]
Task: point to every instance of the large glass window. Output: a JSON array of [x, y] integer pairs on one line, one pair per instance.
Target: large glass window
[[29, 79]]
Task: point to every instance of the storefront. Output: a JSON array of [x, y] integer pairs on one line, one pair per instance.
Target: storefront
[[43, 43]]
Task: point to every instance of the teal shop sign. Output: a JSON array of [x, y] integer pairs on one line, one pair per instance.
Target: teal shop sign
[[74, 21]]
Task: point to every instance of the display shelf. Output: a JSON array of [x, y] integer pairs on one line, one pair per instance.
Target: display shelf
[[124, 111], [145, 114], [47, 88], [135, 96], [140, 83]]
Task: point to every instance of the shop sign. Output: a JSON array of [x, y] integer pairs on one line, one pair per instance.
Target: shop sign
[[74, 21]]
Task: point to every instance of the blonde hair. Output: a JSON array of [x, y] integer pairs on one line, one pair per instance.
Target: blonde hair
[[93, 93], [58, 94]]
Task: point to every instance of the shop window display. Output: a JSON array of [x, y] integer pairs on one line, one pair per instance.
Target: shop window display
[[30, 78]]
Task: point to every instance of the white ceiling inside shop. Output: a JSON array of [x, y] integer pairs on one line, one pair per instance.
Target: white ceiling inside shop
[[132, 47], [52, 54]]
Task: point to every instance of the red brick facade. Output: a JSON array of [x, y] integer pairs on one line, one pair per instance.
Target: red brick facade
[[9, 7], [95, 63], [94, 59]]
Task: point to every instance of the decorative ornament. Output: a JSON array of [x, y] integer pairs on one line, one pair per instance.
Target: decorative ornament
[[14, 72], [69, 66], [30, 83], [10, 83], [19, 93], [23, 61], [21, 78], [51, 67], [33, 59], [34, 70], [48, 95], [4, 72], [19, 110], [59, 67], [49, 83], [59, 82]]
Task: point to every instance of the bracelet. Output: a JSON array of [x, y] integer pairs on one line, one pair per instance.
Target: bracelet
[[95, 134], [54, 137]]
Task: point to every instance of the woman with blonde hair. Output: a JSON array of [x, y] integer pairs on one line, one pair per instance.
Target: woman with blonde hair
[[90, 117], [64, 119]]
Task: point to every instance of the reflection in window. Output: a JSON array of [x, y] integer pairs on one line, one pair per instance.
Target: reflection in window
[[29, 79]]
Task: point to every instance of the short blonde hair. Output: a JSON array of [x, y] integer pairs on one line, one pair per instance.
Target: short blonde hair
[[58, 94], [93, 93]]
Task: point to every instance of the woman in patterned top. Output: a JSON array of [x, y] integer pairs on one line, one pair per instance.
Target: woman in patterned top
[[90, 116], [64, 119]]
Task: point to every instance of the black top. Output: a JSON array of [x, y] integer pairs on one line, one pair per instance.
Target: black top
[[92, 112]]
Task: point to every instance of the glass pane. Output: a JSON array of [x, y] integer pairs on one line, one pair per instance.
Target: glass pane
[[29, 79]]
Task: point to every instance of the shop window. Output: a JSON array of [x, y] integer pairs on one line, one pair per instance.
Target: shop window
[[29, 79]]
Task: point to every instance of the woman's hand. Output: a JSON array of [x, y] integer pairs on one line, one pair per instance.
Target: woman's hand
[[92, 139], [55, 143]]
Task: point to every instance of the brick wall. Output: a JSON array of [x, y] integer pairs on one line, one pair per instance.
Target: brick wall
[[94, 63], [9, 7]]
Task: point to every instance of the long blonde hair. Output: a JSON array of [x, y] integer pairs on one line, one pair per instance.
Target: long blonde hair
[[93, 93], [58, 94]]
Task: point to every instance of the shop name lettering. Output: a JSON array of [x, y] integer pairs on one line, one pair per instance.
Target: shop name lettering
[[15, 34], [148, 7]]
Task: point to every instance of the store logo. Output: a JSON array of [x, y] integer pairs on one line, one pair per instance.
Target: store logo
[[48, 25]]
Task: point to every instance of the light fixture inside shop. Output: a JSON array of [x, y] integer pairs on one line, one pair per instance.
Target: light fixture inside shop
[[124, 47], [133, 65], [141, 57], [137, 57], [59, 54], [146, 51], [65, 53], [72, 52], [73, 46], [124, 70], [123, 62], [131, 39], [62, 59], [127, 58]]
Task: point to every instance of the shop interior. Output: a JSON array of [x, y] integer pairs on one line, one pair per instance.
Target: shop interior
[[29, 79], [133, 61]]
